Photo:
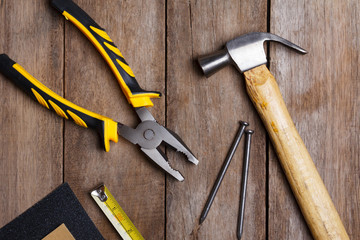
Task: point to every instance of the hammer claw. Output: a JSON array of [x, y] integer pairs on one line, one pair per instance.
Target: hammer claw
[[276, 38]]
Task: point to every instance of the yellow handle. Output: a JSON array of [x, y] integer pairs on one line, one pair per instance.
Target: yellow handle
[[135, 95], [106, 127], [305, 181]]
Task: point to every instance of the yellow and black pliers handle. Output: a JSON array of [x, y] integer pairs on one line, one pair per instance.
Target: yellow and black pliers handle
[[135, 95], [106, 127], [148, 135]]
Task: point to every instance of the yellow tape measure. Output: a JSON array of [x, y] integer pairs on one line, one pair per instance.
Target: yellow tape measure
[[115, 213]]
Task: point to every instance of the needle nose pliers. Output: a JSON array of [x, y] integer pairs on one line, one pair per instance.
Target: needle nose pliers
[[148, 135]]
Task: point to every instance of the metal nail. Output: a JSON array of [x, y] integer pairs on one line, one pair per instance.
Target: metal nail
[[222, 172], [244, 177]]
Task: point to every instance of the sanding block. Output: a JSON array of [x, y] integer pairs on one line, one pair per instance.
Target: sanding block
[[59, 207]]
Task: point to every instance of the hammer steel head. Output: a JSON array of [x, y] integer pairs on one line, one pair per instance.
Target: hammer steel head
[[245, 52]]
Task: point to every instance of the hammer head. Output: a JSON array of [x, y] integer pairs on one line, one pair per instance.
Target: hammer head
[[245, 52]]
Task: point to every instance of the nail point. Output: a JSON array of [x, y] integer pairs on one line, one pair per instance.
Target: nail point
[[239, 236], [201, 220]]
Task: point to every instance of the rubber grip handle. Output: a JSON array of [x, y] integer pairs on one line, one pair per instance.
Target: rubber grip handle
[[135, 95], [106, 127], [309, 189]]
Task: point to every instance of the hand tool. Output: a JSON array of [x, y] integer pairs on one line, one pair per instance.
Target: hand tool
[[223, 170], [244, 176], [247, 54], [115, 213], [148, 134]]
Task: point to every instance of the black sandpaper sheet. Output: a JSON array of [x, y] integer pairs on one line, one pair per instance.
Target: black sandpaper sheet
[[60, 206]]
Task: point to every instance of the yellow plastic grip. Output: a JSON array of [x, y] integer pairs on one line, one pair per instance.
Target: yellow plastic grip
[[141, 99], [64, 108]]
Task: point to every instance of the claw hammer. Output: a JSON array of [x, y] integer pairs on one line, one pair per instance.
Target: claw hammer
[[247, 54]]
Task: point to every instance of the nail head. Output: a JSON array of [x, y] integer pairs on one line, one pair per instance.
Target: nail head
[[249, 131], [244, 123]]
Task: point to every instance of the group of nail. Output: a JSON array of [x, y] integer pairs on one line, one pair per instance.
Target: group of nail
[[245, 170]]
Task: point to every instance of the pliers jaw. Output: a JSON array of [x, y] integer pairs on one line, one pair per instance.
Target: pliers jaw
[[149, 135], [160, 159], [173, 140]]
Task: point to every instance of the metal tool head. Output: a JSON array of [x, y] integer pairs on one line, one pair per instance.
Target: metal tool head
[[245, 52], [149, 135]]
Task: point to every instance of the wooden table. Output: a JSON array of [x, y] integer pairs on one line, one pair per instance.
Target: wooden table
[[161, 41]]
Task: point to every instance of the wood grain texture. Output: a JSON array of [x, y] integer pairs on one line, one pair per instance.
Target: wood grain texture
[[302, 175], [321, 91], [161, 41], [206, 112], [31, 140], [138, 185]]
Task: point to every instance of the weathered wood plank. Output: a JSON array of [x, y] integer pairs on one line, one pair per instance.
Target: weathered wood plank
[[205, 112], [321, 91], [138, 31], [31, 139]]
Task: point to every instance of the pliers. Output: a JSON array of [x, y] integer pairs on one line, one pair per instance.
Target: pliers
[[148, 134]]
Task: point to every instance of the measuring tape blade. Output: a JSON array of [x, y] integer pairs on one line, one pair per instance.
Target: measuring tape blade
[[115, 213]]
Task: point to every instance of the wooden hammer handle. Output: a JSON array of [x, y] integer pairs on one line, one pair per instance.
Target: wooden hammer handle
[[305, 181]]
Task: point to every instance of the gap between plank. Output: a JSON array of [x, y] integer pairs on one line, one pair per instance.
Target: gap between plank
[[64, 95], [166, 109], [267, 140]]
